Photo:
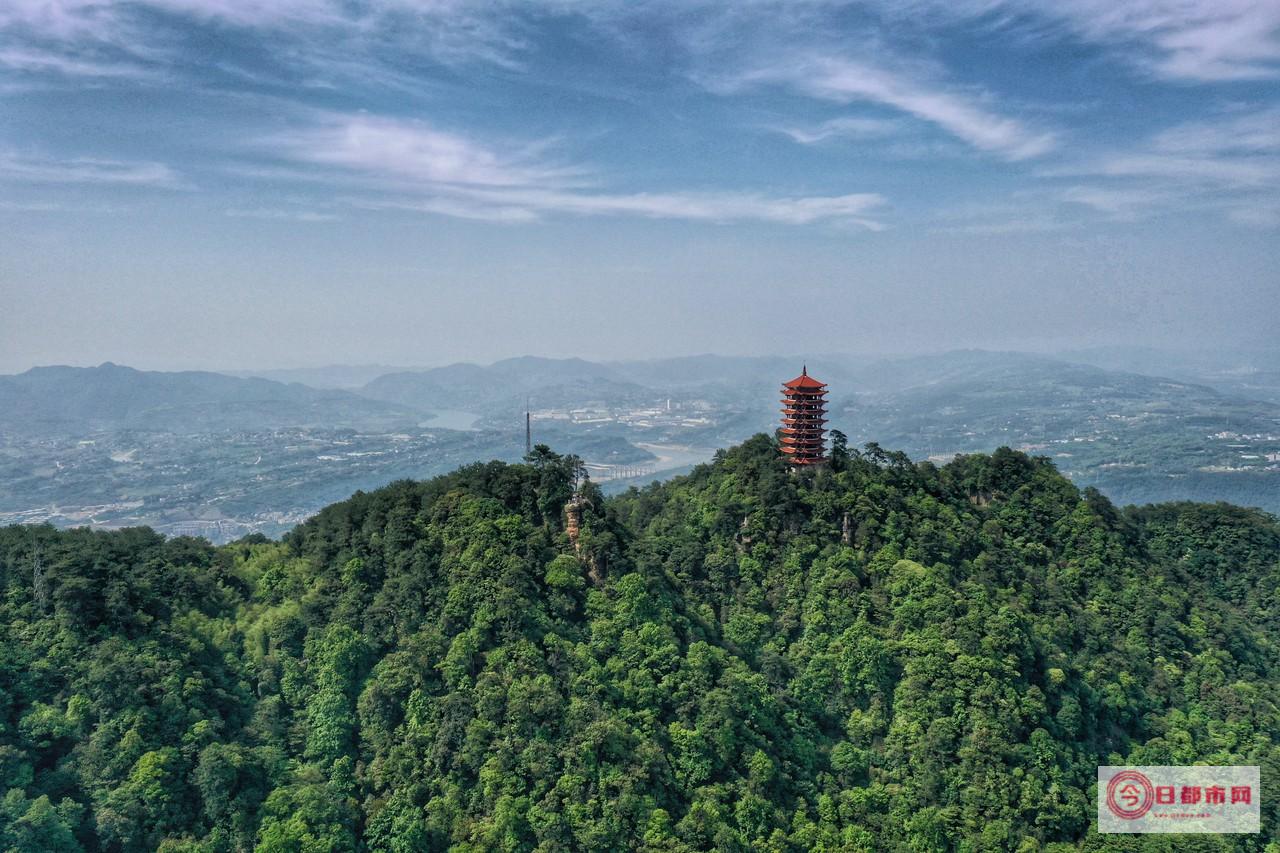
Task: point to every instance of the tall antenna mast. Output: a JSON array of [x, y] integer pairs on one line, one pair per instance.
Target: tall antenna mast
[[528, 429]]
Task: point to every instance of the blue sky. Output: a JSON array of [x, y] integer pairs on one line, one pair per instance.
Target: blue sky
[[237, 183]]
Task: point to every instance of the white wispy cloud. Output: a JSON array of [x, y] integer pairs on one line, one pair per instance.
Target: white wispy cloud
[[1231, 165], [255, 13], [1199, 40], [1242, 132], [89, 170], [1236, 152], [415, 150], [828, 50], [336, 39], [1227, 172], [1205, 40], [814, 53], [43, 61], [850, 127], [716, 207], [842, 80], [414, 166], [72, 19], [1186, 40], [703, 206], [325, 36], [63, 19]]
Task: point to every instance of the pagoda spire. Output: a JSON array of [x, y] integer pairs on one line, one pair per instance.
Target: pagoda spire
[[804, 410]]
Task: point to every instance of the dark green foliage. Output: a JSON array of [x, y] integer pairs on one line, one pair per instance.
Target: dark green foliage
[[880, 655]]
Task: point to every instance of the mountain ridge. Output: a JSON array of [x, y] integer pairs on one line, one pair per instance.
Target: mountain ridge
[[883, 655], [114, 396]]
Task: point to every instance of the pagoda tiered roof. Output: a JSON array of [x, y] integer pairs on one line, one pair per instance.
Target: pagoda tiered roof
[[804, 381], [803, 417]]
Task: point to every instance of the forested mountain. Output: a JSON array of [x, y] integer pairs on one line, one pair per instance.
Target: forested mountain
[[79, 400], [884, 655]]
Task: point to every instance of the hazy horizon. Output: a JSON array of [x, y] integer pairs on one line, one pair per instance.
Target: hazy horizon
[[1120, 353]]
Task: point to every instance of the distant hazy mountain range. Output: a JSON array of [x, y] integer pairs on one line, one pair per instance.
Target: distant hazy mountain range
[[907, 399], [1250, 373], [447, 387], [505, 384], [85, 399], [741, 382], [1138, 436], [341, 376]]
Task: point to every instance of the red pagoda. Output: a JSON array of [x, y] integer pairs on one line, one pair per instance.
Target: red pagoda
[[803, 416]]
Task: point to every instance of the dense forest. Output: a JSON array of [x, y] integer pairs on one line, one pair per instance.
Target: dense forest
[[876, 655]]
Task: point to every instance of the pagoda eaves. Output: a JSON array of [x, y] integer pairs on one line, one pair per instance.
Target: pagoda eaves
[[803, 418]]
